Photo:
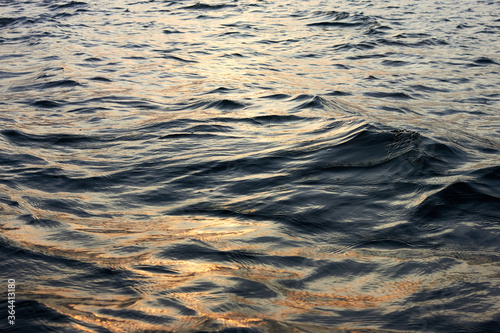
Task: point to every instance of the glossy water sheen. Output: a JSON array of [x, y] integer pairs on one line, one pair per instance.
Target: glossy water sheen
[[250, 166]]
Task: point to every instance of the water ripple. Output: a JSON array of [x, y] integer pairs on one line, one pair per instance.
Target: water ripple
[[250, 166]]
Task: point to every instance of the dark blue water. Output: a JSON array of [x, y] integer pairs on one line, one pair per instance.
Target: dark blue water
[[250, 166]]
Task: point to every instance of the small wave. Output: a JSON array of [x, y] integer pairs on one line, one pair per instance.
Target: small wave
[[46, 85], [71, 207], [395, 63], [171, 31], [42, 315], [377, 29], [335, 24], [340, 19], [233, 55], [93, 59], [225, 105], [412, 35], [276, 96], [27, 139], [5, 21], [9, 56], [359, 46], [40, 223], [332, 14], [100, 79], [220, 90], [193, 251], [278, 119], [20, 159], [368, 56], [205, 6], [70, 4], [46, 104], [322, 103], [424, 88], [179, 59], [400, 42], [484, 61], [60, 84], [338, 93], [388, 95], [8, 75], [158, 269], [137, 315], [451, 202], [192, 136]]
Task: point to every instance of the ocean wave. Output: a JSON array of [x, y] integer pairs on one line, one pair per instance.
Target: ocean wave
[[250, 166]]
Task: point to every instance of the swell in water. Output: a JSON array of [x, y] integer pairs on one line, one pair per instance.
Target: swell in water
[[250, 166]]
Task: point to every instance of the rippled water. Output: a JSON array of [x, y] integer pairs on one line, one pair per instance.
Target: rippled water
[[250, 166]]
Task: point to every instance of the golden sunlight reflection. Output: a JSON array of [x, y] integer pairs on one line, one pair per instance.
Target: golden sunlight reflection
[[157, 277], [288, 304]]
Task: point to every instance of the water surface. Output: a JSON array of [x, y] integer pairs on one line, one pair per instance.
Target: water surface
[[250, 166]]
